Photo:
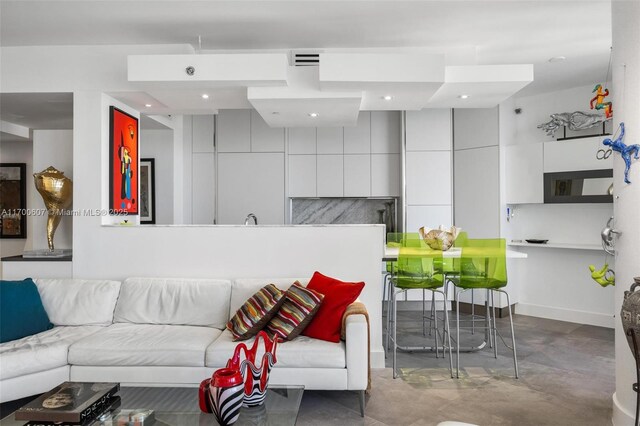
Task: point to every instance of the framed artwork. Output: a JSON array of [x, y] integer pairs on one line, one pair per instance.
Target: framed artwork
[[147, 191], [123, 162], [13, 200]]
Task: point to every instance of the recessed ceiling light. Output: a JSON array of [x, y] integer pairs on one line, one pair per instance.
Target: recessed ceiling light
[[205, 96], [313, 114], [275, 113], [557, 59], [387, 97], [464, 96], [147, 105]]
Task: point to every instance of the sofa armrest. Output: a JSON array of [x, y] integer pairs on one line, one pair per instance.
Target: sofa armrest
[[357, 348]]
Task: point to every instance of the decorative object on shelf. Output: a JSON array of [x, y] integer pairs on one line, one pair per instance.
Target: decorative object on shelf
[[13, 200], [440, 238], [256, 378], [536, 241], [600, 102], [625, 151], [147, 191], [56, 190], [576, 120], [123, 162], [603, 276], [222, 395], [630, 313]]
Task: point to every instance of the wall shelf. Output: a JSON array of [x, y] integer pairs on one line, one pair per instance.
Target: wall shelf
[[572, 246]]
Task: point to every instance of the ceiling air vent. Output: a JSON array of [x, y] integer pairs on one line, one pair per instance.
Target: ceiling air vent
[[305, 59]]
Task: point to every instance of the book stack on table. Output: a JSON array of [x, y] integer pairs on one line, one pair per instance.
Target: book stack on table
[[72, 403]]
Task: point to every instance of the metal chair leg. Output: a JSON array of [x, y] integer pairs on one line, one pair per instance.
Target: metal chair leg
[[435, 321], [487, 320], [494, 327], [458, 293], [424, 317], [473, 313], [394, 338], [389, 314], [447, 330], [513, 335]]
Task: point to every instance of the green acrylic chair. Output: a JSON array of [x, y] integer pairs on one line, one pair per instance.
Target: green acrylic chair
[[419, 268], [411, 239], [483, 265]]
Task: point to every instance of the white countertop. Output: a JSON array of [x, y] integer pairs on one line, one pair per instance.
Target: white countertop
[[573, 246], [391, 253]]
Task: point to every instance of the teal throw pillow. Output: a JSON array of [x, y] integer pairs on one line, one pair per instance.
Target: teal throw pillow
[[21, 310]]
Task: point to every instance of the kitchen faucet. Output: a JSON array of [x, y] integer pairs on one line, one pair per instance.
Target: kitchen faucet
[[251, 216]]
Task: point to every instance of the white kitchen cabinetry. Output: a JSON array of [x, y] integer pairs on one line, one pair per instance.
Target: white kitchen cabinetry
[[429, 130], [203, 201], [302, 140], [357, 140], [573, 155], [251, 183], [385, 132], [202, 133], [302, 176], [428, 177], [385, 175], [263, 137], [330, 140], [330, 176], [234, 130], [524, 168], [357, 175]]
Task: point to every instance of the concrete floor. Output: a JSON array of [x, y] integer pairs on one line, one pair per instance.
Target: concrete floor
[[566, 378]]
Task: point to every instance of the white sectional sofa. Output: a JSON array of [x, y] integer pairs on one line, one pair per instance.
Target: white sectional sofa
[[163, 332]]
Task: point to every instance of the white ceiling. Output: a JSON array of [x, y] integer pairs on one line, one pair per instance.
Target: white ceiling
[[465, 32], [50, 111]]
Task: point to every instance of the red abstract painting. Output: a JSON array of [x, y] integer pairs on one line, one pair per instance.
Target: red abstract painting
[[123, 162]]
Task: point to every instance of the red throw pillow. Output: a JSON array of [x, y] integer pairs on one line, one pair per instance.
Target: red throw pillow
[[338, 295]]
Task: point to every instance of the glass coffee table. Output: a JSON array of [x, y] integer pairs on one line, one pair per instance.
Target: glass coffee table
[[179, 407]]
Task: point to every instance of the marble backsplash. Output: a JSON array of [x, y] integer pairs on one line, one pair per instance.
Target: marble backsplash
[[344, 211]]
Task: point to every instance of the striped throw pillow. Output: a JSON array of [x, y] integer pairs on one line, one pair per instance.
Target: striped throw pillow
[[256, 312], [298, 309]]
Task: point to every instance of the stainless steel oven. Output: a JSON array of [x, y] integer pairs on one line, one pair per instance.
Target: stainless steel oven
[[585, 186]]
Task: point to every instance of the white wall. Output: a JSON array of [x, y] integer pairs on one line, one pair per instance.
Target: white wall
[[158, 144], [51, 148], [626, 79], [19, 152]]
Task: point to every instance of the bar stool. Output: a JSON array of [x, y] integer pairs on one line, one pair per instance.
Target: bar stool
[[414, 239], [419, 268], [483, 265]]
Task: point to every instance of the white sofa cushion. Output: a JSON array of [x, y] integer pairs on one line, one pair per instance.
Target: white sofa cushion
[[40, 352], [79, 302], [244, 288], [174, 301], [144, 344], [301, 352]]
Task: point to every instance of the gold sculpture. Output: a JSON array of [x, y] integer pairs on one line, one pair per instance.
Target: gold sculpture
[[56, 190]]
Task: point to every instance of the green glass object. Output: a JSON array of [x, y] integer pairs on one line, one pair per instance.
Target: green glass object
[[419, 267], [483, 264]]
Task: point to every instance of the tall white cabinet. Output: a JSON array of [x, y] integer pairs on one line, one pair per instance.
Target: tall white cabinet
[[250, 169], [428, 170]]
